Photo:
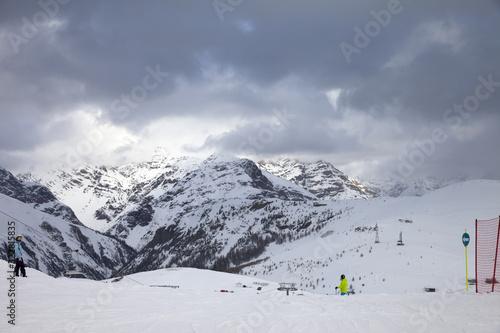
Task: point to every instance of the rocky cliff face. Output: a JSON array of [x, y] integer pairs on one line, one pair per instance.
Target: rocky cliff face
[[320, 178], [54, 240], [99, 194], [36, 195]]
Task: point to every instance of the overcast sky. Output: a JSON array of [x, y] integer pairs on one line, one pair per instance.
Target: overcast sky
[[378, 88]]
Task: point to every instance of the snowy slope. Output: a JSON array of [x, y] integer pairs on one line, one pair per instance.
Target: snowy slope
[[51, 243], [389, 279], [433, 254], [44, 304]]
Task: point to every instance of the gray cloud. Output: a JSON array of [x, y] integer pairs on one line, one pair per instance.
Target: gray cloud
[[62, 58]]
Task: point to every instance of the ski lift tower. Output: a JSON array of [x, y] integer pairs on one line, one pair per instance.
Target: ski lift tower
[[76, 263], [286, 286], [400, 241], [377, 239]]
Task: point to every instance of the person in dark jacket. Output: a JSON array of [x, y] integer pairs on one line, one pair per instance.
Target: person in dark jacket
[[18, 257]]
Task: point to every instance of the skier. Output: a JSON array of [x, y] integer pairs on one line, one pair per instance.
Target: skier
[[18, 256], [343, 285]]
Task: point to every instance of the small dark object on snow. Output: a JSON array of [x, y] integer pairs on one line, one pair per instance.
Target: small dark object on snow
[[74, 275], [400, 241]]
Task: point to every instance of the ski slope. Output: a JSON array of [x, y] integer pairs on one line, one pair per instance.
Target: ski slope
[[46, 304], [433, 255]]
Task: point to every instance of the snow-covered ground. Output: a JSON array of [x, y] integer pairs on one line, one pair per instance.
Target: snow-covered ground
[[433, 255], [389, 279], [148, 302]]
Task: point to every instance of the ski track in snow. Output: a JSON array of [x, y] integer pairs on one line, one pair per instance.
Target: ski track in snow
[[45, 304]]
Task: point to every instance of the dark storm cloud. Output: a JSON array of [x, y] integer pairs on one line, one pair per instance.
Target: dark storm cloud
[[285, 132], [57, 57]]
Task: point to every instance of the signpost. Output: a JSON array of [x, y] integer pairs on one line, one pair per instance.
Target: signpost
[[466, 240]]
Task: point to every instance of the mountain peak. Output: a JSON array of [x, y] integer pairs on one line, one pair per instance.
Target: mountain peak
[[222, 158], [35, 195]]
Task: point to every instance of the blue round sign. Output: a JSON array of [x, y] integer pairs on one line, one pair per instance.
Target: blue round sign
[[465, 239]]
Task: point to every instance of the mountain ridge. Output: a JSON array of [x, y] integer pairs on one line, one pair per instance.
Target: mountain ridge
[[225, 212], [52, 232], [320, 178]]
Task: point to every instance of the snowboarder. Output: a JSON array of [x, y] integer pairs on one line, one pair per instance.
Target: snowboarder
[[343, 285], [18, 257]]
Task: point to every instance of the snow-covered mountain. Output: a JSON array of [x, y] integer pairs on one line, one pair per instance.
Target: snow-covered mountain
[[320, 178], [227, 213], [216, 214], [222, 214], [55, 240], [411, 186], [36, 196], [98, 194]]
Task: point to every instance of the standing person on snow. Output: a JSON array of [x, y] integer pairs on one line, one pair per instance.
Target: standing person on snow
[[343, 285], [18, 256]]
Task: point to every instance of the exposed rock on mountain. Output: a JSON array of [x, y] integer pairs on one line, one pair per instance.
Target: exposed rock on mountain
[[320, 178], [54, 239], [222, 214], [99, 194], [36, 195]]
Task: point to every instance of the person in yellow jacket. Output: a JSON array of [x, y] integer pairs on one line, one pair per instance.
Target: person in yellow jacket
[[343, 285]]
